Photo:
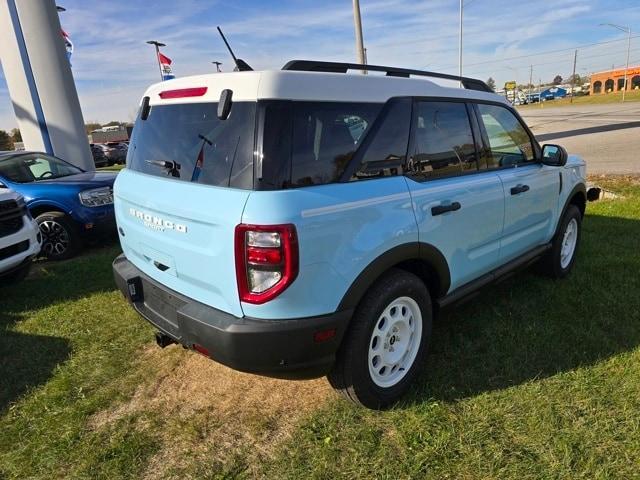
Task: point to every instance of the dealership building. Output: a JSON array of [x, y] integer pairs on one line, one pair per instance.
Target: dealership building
[[613, 80]]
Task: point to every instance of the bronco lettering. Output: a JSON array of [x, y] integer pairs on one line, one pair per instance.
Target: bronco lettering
[[157, 223]]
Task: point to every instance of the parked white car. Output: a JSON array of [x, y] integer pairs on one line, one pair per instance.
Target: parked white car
[[20, 238]]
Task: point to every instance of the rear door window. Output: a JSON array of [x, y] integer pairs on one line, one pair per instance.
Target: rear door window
[[443, 141], [188, 142]]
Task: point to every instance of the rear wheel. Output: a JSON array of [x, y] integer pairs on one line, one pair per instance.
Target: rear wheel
[[386, 343], [60, 237]]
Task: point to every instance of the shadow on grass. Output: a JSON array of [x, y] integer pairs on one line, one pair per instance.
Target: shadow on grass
[[530, 327], [28, 359]]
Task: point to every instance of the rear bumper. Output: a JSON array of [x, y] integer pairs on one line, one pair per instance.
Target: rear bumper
[[277, 348]]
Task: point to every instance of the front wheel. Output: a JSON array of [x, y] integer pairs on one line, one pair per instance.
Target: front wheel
[[386, 343], [60, 236], [560, 259]]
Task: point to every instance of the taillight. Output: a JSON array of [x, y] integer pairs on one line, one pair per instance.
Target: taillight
[[266, 260]]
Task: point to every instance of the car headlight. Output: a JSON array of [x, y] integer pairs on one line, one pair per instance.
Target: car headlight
[[96, 197]]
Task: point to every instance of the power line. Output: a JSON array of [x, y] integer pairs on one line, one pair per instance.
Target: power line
[[559, 61], [539, 53]]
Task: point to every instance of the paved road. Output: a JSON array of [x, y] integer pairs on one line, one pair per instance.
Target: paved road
[[606, 136]]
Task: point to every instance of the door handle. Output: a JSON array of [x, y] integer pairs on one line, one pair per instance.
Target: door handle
[[161, 266], [519, 189], [440, 209]]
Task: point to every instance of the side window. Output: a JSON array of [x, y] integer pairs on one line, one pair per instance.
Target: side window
[[509, 142], [325, 136], [443, 142], [386, 153]]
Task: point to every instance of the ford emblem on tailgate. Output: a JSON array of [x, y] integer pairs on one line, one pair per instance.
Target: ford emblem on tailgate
[[157, 223]]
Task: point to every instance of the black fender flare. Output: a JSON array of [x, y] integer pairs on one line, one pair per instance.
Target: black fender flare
[[580, 188], [401, 253]]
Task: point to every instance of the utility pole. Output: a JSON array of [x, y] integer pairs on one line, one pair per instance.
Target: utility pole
[[460, 40], [158, 45], [573, 76], [217, 64], [540, 92], [357, 21], [530, 80], [626, 68]]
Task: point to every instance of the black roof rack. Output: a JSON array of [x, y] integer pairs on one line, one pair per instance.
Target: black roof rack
[[338, 67]]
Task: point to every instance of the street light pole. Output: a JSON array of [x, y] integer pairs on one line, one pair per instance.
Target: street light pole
[[627, 30], [217, 64], [357, 21], [460, 40], [158, 45]]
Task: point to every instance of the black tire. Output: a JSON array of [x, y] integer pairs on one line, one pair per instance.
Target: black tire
[[60, 235], [16, 276], [351, 372], [552, 264]]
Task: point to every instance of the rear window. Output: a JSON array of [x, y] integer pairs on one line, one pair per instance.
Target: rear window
[[311, 143], [188, 142]]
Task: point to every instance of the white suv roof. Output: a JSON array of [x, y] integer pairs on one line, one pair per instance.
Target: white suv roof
[[312, 86]]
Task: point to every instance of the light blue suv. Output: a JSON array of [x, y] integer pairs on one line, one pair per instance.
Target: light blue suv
[[308, 222]]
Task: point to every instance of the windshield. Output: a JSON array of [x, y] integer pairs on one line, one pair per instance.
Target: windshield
[[34, 167], [188, 142]]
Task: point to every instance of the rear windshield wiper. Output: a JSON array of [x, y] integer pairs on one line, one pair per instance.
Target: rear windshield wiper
[[202, 137], [172, 166]]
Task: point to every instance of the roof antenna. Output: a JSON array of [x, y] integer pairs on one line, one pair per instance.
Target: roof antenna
[[241, 65]]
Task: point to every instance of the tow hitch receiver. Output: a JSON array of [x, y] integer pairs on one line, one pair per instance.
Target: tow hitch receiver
[[164, 340]]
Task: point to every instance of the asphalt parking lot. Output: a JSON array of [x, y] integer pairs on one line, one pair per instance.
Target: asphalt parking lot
[[606, 136]]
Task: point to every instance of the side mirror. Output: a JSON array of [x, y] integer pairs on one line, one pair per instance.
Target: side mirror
[[554, 155]]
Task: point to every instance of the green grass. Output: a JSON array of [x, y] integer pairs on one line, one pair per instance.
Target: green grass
[[531, 379], [614, 97], [67, 343]]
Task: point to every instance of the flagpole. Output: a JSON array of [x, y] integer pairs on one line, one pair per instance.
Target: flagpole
[[158, 59], [158, 45]]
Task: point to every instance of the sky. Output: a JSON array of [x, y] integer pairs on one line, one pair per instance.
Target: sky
[[112, 64]]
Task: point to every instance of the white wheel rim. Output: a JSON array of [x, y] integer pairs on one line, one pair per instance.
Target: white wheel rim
[[569, 242], [395, 342]]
